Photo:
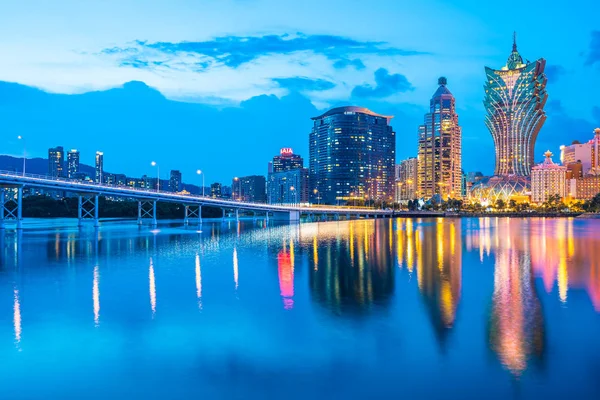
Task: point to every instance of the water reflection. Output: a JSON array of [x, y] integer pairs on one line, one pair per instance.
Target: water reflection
[[198, 281], [96, 296], [355, 267], [152, 285], [285, 267], [17, 317]]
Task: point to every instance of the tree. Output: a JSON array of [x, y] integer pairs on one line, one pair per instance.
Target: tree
[[500, 204], [512, 205]]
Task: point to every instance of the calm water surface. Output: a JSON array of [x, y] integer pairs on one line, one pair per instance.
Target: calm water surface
[[423, 308]]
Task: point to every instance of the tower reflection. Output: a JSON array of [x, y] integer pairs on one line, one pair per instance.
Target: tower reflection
[[439, 271], [285, 267], [516, 326], [352, 268]]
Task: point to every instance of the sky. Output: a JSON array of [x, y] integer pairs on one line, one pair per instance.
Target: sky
[[221, 85]]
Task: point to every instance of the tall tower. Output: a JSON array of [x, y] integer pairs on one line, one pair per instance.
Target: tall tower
[[352, 155], [439, 161], [99, 166], [515, 96], [72, 163], [56, 162]]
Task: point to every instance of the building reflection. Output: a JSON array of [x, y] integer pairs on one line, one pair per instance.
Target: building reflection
[[17, 317], [285, 268], [352, 268], [438, 258], [198, 281], [152, 287], [516, 331], [96, 296]]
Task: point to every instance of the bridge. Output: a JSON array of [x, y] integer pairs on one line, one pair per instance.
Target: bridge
[[88, 193]]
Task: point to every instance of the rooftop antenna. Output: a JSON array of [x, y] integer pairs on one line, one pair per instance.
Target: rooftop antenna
[[514, 41]]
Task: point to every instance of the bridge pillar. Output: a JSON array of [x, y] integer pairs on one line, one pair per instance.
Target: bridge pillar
[[87, 208], [237, 214], [254, 216], [2, 201], [192, 211], [286, 216], [96, 211], [154, 222], [139, 221], [223, 219], [348, 216], [267, 217], [20, 207]]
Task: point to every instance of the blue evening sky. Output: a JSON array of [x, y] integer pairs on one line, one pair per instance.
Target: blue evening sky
[[221, 85]]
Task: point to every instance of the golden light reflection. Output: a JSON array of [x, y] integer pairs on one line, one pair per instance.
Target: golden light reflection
[[285, 266], [315, 253], [17, 317], [152, 284], [96, 296], [235, 267], [198, 281]]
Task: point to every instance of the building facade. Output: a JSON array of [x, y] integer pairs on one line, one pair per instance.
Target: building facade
[[406, 180], [99, 166], [175, 181], [515, 96], [352, 155], [56, 162], [72, 163], [215, 190], [548, 179], [288, 187], [439, 158], [249, 188], [286, 161]]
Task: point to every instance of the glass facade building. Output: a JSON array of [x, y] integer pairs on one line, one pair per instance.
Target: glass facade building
[[215, 190], [286, 161], [288, 187], [439, 161], [406, 180], [72, 163], [175, 181], [352, 155], [249, 188], [56, 162], [515, 96]]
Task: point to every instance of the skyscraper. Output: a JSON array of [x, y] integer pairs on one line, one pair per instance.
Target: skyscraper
[[406, 180], [56, 162], [175, 181], [249, 188], [99, 166], [515, 96], [439, 161], [215, 190], [352, 155], [287, 181], [286, 161], [72, 163]]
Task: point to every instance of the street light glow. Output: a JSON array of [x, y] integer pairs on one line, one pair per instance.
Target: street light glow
[[153, 163]]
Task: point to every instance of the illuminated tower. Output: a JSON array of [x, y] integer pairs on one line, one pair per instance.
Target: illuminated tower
[[99, 166], [439, 161], [515, 96], [72, 163]]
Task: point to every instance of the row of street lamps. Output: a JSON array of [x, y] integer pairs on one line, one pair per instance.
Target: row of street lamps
[[154, 164]]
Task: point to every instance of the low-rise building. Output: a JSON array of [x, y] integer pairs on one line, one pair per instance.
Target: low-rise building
[[548, 179]]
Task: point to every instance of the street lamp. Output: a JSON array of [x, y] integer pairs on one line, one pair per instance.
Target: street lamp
[[199, 172], [293, 193], [21, 138], [154, 164]]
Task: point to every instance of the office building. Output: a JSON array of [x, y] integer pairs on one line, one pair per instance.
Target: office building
[[587, 187], [439, 161], [175, 181], [216, 190], [249, 188], [99, 166], [72, 163], [548, 179], [515, 96], [288, 187], [352, 156], [406, 180], [584, 153], [56, 162], [286, 161]]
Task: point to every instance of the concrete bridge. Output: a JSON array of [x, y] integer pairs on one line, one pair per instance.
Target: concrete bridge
[[11, 202]]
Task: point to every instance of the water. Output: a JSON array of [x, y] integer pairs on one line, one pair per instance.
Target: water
[[424, 308]]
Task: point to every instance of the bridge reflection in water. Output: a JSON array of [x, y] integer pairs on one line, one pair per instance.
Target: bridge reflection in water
[[348, 269]]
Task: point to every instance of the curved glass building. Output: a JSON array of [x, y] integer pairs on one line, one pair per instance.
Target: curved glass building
[[352, 156], [515, 96]]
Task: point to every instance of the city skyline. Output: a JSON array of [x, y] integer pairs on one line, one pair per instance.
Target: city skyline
[[266, 81]]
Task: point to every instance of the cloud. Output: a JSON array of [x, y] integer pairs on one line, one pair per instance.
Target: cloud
[[345, 63], [554, 72], [593, 56], [234, 51], [302, 84], [386, 85]]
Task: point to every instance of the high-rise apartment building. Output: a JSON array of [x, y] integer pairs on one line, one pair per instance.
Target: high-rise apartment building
[[216, 190], [406, 180], [515, 96], [249, 188], [352, 155], [56, 162], [175, 181], [439, 161], [548, 179], [72, 163], [99, 166]]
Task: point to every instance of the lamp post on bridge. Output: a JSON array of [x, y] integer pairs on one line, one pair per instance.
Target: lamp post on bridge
[[24, 154], [199, 172], [154, 164]]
